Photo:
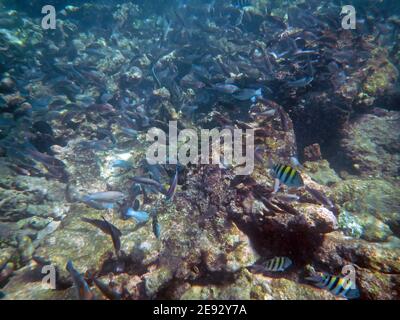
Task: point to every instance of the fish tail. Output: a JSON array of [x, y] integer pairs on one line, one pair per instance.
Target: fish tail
[[69, 266], [352, 294]]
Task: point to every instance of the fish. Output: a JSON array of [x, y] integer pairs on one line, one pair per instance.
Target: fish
[[156, 227], [226, 88], [98, 223], [190, 81], [241, 3], [99, 205], [287, 197], [135, 190], [98, 145], [115, 235], [320, 197], [150, 182], [102, 108], [45, 159], [129, 132], [171, 191], [166, 29], [123, 164], [303, 82], [107, 228], [95, 52], [107, 196], [276, 264], [138, 216], [339, 286], [247, 94], [136, 204], [68, 87], [107, 133], [296, 163], [83, 290], [106, 290], [287, 175], [156, 170], [106, 97]]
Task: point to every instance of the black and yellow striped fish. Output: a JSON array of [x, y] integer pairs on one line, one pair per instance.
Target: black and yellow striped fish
[[287, 175], [339, 286], [277, 264]]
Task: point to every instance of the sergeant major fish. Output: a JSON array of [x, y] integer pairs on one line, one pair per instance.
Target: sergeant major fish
[[286, 175], [277, 264], [337, 285]]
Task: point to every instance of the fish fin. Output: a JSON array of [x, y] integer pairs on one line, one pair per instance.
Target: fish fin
[[353, 294], [69, 266], [276, 185], [314, 279]]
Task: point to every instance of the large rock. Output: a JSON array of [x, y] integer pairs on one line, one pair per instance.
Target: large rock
[[377, 265], [373, 144], [248, 286], [364, 198]]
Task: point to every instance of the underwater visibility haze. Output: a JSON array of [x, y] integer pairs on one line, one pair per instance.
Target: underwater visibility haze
[[244, 149]]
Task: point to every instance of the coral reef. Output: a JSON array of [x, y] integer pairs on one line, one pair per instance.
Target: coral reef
[[76, 104], [372, 144]]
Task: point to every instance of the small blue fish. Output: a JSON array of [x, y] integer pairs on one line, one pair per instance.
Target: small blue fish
[[138, 216], [129, 132], [98, 145], [156, 227], [98, 205], [303, 82], [226, 88], [247, 94], [123, 164]]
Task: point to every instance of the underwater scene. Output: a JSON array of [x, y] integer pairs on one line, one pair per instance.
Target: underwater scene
[[199, 149]]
